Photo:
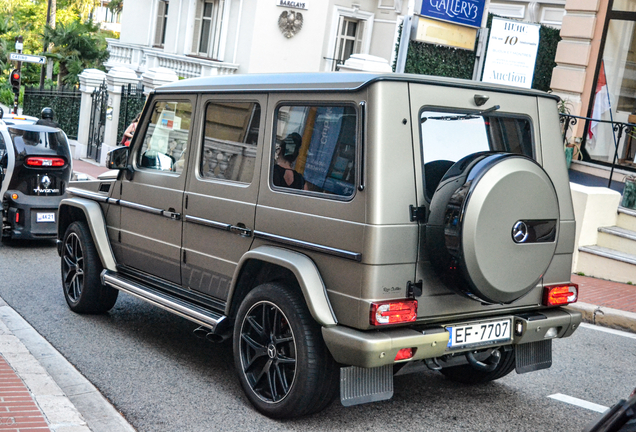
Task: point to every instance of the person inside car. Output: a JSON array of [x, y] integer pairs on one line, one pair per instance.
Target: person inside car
[[46, 118], [284, 173]]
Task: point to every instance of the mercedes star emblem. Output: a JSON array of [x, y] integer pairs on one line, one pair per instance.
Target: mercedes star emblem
[[520, 232]]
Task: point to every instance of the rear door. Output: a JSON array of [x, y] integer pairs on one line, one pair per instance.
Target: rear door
[[222, 190], [441, 138], [152, 201]]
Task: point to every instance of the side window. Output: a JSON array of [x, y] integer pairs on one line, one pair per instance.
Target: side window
[[316, 149], [164, 145], [229, 141]]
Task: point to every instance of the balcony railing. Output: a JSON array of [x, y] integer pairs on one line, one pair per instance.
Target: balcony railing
[[624, 136], [141, 58]]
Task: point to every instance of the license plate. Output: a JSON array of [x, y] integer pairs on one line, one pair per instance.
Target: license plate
[[481, 333], [45, 217]]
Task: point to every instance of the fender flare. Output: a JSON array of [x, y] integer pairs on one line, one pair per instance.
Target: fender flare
[[97, 225], [307, 275]]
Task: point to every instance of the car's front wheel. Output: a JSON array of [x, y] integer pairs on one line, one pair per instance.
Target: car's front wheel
[[81, 268], [281, 359]]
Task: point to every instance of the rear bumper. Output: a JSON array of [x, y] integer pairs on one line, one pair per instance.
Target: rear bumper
[[378, 348], [28, 207]]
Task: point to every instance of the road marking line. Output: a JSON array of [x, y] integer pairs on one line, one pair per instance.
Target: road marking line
[[608, 330], [579, 402]]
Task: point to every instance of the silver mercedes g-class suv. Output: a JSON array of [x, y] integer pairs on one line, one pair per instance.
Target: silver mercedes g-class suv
[[339, 228]]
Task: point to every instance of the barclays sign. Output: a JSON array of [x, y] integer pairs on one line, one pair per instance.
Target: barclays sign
[[463, 12]]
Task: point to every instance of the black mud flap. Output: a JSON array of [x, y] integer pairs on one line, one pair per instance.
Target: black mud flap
[[363, 385], [533, 356]]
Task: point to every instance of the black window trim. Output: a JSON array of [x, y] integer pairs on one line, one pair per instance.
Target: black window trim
[[272, 153]]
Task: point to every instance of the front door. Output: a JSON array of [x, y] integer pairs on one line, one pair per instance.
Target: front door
[[222, 190], [152, 201]]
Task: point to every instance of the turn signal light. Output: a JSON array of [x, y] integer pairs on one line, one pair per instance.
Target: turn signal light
[[405, 354], [393, 312], [38, 161], [14, 196], [558, 295]]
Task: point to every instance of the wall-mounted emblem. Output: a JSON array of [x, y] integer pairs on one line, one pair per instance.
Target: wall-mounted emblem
[[290, 23]]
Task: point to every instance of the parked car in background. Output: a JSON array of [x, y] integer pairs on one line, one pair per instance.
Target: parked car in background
[[339, 228], [35, 168]]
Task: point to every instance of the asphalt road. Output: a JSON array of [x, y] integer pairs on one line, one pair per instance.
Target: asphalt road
[[161, 377]]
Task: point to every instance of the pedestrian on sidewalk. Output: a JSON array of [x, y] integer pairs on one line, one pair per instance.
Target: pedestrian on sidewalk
[[130, 131]]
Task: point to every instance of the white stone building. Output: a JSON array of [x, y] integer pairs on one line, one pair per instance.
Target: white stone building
[[209, 37]]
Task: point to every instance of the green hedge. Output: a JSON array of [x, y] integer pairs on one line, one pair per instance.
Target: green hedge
[[429, 59], [64, 101]]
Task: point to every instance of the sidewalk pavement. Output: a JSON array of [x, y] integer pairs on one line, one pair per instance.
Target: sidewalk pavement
[[40, 390]]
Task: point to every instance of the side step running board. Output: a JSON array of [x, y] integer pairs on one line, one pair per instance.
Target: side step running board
[[164, 300]]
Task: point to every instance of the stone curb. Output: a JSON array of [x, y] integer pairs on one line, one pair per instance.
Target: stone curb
[[67, 399], [606, 317]]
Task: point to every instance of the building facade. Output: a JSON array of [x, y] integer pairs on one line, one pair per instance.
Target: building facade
[[210, 37], [596, 76]]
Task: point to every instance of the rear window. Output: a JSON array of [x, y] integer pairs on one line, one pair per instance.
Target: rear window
[[37, 140], [450, 136]]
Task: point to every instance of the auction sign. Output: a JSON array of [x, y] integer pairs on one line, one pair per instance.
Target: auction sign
[[512, 53], [463, 12]]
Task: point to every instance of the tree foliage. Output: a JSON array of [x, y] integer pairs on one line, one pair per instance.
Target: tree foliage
[[27, 18], [76, 46]]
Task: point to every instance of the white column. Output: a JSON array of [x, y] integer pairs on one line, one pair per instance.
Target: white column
[[116, 78], [89, 79], [156, 77]]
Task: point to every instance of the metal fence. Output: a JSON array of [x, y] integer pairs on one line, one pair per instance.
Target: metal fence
[[624, 133], [65, 102]]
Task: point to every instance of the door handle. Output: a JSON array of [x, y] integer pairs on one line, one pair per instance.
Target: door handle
[[171, 213], [241, 230]]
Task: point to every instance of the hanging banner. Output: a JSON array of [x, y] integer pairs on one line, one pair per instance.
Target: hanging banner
[[512, 53], [464, 12]]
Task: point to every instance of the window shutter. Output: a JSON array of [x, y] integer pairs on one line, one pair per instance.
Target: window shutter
[[357, 48], [161, 7], [197, 26]]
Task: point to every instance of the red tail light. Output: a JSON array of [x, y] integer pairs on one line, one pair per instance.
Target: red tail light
[[17, 217], [40, 161], [393, 312], [558, 295], [405, 354]]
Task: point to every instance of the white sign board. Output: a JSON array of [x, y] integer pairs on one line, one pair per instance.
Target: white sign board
[[28, 58], [512, 53]]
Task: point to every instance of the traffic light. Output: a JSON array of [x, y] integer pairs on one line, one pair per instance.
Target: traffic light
[[15, 80]]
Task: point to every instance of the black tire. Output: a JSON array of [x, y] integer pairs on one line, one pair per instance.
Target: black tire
[[281, 359], [467, 374], [81, 268]]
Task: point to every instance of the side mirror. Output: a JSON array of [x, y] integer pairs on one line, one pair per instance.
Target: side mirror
[[118, 159]]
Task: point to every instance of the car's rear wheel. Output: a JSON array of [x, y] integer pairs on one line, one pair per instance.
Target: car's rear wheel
[[81, 268], [281, 359], [468, 374]]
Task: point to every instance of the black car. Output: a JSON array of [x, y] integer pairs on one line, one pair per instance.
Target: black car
[[35, 167]]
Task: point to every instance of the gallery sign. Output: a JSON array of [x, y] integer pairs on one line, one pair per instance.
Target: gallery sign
[[512, 53], [463, 12]]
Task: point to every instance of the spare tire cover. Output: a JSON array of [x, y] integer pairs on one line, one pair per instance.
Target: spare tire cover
[[493, 226]]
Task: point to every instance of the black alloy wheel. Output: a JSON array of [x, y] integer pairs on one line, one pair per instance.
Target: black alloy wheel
[[73, 267], [81, 268], [281, 359], [268, 352]]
